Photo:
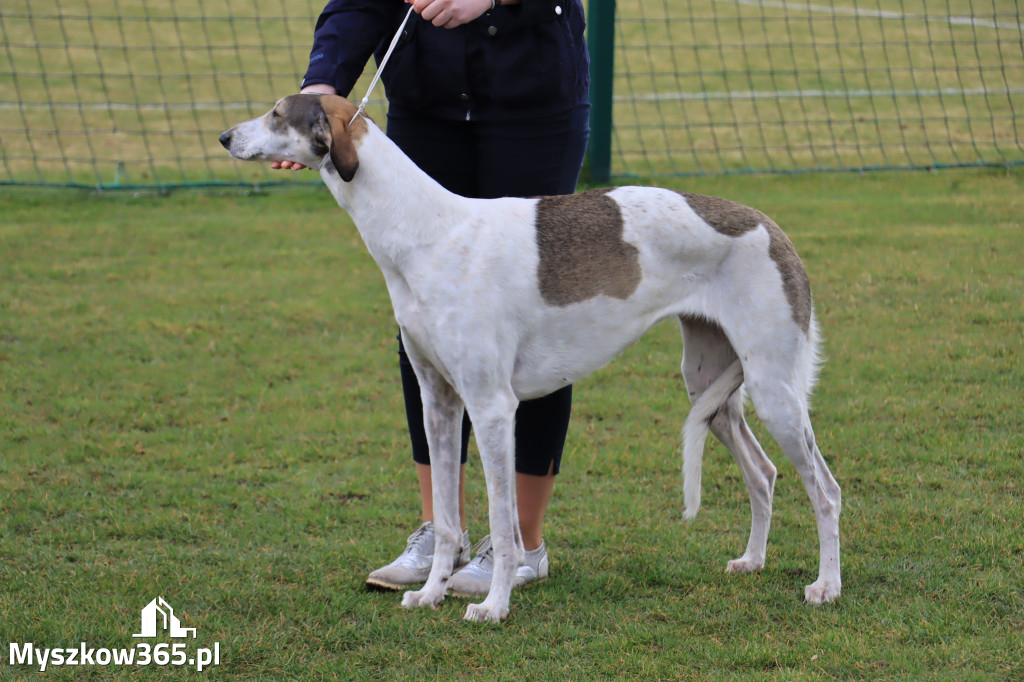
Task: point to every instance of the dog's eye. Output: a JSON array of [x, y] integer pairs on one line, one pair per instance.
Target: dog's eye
[[274, 114]]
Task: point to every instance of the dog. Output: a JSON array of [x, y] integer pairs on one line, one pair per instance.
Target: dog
[[504, 300]]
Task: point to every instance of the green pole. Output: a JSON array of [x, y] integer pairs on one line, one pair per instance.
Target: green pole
[[601, 42]]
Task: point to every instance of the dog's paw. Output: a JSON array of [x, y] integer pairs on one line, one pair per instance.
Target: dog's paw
[[418, 598], [744, 565], [821, 591], [481, 613]]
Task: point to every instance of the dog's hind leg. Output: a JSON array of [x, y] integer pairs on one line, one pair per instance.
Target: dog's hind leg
[[827, 492], [783, 409], [707, 354], [494, 425], [730, 427], [442, 419]]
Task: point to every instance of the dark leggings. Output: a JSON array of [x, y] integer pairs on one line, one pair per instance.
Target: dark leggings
[[487, 160]]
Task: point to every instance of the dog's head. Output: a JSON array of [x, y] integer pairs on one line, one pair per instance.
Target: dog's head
[[303, 129]]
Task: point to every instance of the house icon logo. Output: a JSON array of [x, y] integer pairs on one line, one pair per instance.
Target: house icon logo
[[159, 612]]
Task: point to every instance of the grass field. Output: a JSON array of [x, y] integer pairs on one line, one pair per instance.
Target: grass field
[[198, 400]]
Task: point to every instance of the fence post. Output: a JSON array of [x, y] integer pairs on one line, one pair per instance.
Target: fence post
[[601, 42]]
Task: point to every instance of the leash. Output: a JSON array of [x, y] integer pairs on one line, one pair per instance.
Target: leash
[[380, 68]]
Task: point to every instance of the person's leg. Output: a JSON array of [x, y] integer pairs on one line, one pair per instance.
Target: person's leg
[[418, 439], [533, 494], [427, 498], [445, 152], [521, 159], [530, 158], [541, 427]]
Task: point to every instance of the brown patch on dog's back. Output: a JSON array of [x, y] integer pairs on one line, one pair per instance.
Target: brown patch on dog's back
[[582, 253], [734, 220]]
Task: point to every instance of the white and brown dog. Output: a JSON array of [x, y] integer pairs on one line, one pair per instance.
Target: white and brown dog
[[504, 300]]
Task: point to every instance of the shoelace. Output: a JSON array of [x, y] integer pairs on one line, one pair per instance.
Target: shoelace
[[484, 550], [416, 539]]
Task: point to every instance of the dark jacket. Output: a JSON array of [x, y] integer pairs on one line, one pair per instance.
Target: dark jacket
[[514, 61]]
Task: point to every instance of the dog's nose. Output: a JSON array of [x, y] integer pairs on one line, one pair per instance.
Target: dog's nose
[[225, 139]]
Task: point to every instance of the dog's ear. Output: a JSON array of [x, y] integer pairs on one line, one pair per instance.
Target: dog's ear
[[320, 135], [343, 152]]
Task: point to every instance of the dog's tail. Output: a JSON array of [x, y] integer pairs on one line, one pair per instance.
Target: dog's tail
[[695, 432]]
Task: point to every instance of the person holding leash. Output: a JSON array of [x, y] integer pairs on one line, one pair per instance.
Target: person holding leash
[[491, 99]]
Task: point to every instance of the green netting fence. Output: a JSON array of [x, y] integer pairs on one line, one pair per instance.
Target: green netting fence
[[712, 86], [133, 93]]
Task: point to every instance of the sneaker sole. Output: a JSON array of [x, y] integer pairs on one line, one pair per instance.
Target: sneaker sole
[[474, 595], [384, 586], [380, 585]]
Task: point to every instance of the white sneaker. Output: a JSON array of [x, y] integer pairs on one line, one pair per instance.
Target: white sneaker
[[413, 565], [475, 578]]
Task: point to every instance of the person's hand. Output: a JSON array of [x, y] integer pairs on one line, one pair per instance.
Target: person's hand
[[450, 13], [319, 88]]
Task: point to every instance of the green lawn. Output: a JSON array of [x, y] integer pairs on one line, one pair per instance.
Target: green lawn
[[199, 400]]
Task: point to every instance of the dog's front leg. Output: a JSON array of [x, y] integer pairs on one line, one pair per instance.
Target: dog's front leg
[[495, 436], [442, 419]]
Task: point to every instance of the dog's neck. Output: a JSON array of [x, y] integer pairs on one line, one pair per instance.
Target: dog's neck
[[398, 209]]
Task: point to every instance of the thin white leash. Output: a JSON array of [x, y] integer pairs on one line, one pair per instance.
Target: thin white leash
[[380, 68]]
